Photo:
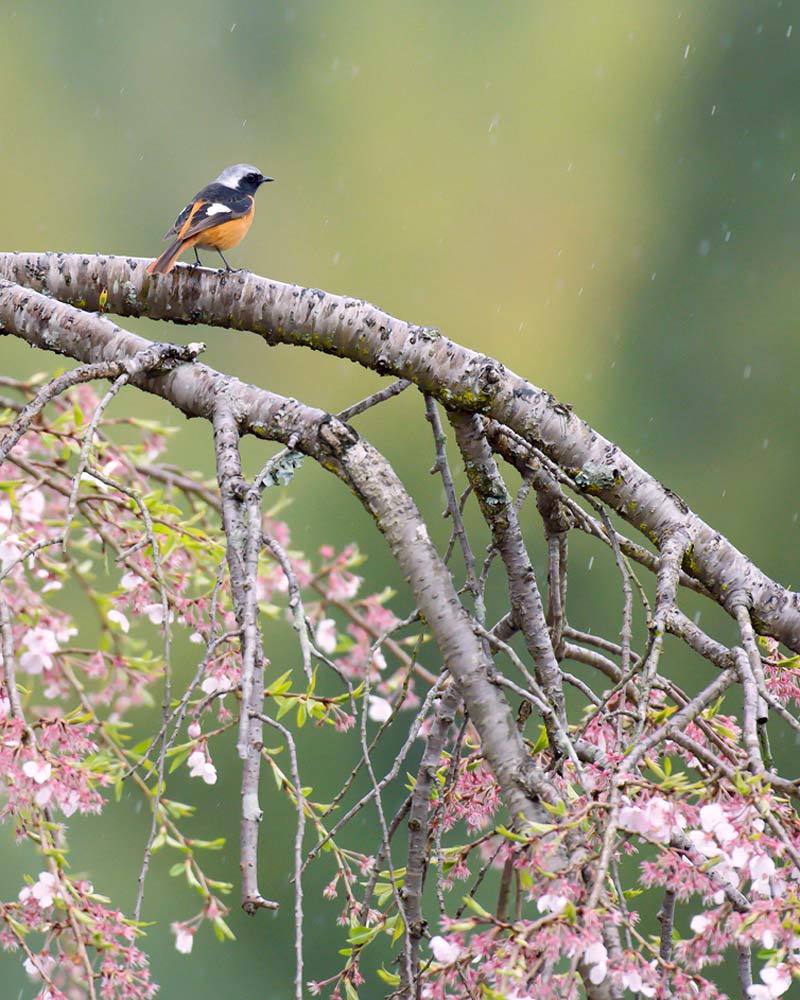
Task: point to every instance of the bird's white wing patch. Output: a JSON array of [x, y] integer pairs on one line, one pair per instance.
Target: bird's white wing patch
[[217, 209]]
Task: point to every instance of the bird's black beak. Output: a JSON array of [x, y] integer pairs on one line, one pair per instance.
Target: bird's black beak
[[266, 180]]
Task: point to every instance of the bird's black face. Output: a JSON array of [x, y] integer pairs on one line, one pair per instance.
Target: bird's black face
[[251, 182]]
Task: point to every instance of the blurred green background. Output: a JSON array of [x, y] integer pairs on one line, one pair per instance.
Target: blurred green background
[[604, 196]]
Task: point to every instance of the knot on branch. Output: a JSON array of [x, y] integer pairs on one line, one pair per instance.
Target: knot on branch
[[554, 512], [252, 904], [595, 477], [336, 436], [418, 928], [161, 358], [738, 597], [528, 779]]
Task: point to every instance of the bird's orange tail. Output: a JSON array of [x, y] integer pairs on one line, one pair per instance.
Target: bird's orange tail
[[167, 260]]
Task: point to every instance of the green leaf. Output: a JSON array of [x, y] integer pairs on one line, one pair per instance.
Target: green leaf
[[542, 741], [390, 978], [223, 932], [510, 835], [176, 763], [350, 990], [475, 906], [280, 684], [361, 935], [209, 845]]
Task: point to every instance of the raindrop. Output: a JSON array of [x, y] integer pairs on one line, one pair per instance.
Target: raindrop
[[686, 52], [494, 122], [704, 248], [789, 31], [591, 562], [696, 617], [793, 176], [724, 492], [795, 516], [713, 109], [748, 371], [244, 122], [728, 235], [233, 27], [336, 257], [653, 276], [765, 443], [580, 290]]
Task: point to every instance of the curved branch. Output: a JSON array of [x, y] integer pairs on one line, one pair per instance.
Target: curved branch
[[354, 329]]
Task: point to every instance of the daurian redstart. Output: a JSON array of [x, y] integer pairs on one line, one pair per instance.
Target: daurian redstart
[[217, 218]]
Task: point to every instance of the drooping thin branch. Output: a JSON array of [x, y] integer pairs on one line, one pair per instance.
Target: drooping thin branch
[[243, 533], [299, 621], [442, 466], [500, 515], [666, 917], [300, 803], [418, 827], [626, 632], [10, 664]]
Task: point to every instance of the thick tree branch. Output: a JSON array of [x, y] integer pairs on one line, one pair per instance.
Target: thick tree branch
[[354, 329]]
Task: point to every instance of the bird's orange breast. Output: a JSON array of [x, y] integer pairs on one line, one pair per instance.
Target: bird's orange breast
[[225, 235]]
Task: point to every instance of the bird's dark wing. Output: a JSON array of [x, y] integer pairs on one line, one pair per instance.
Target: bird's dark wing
[[184, 215], [211, 193], [207, 214]]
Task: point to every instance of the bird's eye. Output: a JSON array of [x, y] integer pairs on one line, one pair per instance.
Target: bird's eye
[[254, 178]]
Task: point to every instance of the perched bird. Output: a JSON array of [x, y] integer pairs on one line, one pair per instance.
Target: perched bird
[[217, 218]]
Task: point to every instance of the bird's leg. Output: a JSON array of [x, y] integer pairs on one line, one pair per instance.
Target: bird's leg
[[198, 262], [227, 265]]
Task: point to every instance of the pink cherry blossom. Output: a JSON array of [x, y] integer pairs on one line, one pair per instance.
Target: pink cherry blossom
[[38, 770], [444, 951], [325, 635], [155, 613], [762, 869], [184, 938], [776, 979], [44, 890], [39, 644], [656, 819], [119, 619], [632, 980], [596, 956], [201, 767], [379, 709], [549, 903]]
